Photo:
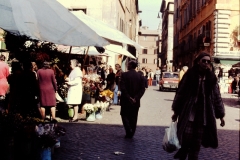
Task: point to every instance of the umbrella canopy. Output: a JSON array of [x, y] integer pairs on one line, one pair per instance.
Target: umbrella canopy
[[46, 20], [105, 30]]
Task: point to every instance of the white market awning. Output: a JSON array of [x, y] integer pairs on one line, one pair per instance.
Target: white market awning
[[81, 50], [47, 20], [116, 49], [105, 30]]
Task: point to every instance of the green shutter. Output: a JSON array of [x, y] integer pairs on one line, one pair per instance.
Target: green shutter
[[225, 62], [3, 45]]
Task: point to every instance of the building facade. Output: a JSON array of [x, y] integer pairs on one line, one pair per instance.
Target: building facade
[[166, 55], [149, 39], [121, 14], [206, 25]]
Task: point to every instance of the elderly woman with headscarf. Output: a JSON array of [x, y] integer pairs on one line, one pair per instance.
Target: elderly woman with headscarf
[[196, 105], [47, 88], [74, 97]]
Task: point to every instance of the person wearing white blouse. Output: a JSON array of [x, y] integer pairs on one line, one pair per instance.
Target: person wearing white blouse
[[74, 97]]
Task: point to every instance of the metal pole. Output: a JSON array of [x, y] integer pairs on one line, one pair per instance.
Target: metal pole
[[85, 56]]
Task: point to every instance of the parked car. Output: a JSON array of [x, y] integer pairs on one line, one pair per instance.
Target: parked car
[[169, 81]]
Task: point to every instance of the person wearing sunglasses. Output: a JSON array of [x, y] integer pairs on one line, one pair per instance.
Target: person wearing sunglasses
[[196, 106]]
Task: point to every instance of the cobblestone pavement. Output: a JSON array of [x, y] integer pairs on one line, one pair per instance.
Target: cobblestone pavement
[[100, 139]]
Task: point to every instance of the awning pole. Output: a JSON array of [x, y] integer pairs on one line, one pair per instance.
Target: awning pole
[[70, 50], [86, 56]]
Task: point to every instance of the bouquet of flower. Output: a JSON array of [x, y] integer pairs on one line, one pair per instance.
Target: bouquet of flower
[[11, 123], [106, 95], [89, 108], [48, 134], [93, 89], [101, 106]]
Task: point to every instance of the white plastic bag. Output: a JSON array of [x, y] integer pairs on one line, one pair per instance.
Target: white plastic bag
[[170, 141]]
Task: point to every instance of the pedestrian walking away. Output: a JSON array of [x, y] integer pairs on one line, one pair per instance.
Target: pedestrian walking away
[[132, 88], [196, 106]]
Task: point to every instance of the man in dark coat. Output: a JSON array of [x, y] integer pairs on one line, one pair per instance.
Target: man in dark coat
[[196, 105], [132, 89]]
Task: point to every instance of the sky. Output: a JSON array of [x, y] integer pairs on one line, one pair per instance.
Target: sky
[[150, 9]]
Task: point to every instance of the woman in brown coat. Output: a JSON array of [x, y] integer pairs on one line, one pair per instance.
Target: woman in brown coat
[[196, 105], [48, 87]]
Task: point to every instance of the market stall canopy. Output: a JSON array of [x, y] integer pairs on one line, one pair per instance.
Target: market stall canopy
[[81, 50], [116, 49], [236, 65], [105, 30], [47, 20]]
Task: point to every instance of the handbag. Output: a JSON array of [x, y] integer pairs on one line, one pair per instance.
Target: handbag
[[58, 97], [170, 141]]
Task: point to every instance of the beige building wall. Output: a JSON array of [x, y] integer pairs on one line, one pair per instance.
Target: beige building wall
[[149, 55], [121, 14], [222, 16]]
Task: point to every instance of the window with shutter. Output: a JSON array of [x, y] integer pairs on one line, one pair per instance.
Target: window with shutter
[[144, 51], [190, 10], [144, 60], [155, 61], [194, 7]]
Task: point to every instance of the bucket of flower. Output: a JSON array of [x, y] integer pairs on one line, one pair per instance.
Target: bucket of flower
[[101, 107], [48, 137], [90, 111], [19, 135]]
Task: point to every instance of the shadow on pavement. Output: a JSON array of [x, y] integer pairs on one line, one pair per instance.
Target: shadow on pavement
[[88, 141], [231, 102]]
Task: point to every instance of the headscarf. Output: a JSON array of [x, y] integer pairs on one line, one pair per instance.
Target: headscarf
[[200, 56]]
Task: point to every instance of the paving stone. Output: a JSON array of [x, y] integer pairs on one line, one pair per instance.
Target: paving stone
[[100, 139]]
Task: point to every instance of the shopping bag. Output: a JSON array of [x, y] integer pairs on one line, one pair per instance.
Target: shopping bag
[[58, 97], [170, 141]]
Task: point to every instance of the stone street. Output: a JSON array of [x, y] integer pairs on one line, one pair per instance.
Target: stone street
[[100, 139]]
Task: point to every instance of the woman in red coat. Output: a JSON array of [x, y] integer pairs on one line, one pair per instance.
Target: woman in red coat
[[48, 88]]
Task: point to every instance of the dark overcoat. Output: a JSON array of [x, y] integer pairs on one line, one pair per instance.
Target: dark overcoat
[[132, 85], [185, 99]]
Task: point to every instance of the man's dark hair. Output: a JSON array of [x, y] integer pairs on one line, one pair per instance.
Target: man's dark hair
[[133, 64], [2, 58]]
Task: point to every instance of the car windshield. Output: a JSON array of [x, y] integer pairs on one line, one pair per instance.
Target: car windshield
[[170, 75]]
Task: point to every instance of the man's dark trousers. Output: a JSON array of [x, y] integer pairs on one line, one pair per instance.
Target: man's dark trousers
[[130, 121]]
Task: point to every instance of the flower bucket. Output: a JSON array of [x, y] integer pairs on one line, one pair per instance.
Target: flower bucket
[[46, 154], [90, 116], [92, 100], [99, 115], [70, 112], [57, 145]]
